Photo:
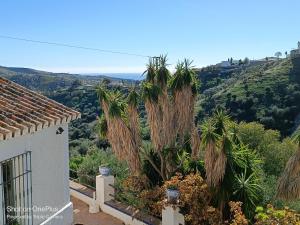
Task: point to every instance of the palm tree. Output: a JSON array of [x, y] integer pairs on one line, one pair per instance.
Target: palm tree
[[183, 86], [232, 171], [209, 140], [133, 116], [289, 182], [120, 135], [169, 103], [216, 141]]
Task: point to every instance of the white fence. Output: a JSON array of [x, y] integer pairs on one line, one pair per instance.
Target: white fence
[[105, 194]]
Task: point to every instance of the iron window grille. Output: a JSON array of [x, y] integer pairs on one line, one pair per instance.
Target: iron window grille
[[16, 190]]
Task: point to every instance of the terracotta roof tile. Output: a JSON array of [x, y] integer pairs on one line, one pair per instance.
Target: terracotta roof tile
[[23, 111]]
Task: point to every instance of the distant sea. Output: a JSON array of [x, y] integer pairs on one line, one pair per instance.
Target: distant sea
[[131, 76]]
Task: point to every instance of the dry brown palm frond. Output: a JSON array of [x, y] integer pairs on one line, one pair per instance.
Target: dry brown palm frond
[[289, 182], [209, 159], [195, 143], [155, 123], [129, 149], [184, 106], [123, 142], [168, 123], [134, 124], [219, 168]]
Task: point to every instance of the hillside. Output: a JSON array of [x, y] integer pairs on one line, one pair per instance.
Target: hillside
[[48, 82], [268, 93]]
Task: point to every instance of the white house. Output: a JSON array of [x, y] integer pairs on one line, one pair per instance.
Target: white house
[[296, 52], [34, 158], [225, 64]]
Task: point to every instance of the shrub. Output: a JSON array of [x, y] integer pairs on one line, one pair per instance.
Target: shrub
[[237, 215], [270, 215], [194, 201], [95, 158]]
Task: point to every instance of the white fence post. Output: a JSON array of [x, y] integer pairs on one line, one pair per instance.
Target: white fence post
[[104, 189], [172, 216], [94, 207]]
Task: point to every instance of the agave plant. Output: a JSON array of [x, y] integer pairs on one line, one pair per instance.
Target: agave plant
[[246, 189]]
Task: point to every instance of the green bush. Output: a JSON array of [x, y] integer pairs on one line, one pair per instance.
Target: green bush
[[96, 157]]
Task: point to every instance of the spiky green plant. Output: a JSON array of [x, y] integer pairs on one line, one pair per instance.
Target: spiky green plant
[[163, 74], [151, 71], [150, 92]]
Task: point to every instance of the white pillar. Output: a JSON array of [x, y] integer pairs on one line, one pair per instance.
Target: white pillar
[[171, 216], [104, 190], [93, 206]]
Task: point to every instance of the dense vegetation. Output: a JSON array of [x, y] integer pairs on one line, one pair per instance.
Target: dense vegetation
[[268, 93], [241, 162], [229, 157]]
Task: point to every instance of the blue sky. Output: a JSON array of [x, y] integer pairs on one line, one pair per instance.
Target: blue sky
[[204, 31]]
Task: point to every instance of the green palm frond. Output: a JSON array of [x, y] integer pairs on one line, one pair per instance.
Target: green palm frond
[[103, 127], [209, 132], [151, 71], [133, 98], [163, 74], [242, 158], [188, 72], [296, 138], [150, 92], [184, 76], [221, 121], [102, 92], [176, 82], [116, 104]]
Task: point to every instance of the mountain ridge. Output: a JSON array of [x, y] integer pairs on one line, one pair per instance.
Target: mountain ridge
[[44, 81]]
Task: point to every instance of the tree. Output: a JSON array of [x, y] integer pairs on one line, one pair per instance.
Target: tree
[[246, 61], [120, 134], [169, 102], [278, 54], [215, 158], [232, 170]]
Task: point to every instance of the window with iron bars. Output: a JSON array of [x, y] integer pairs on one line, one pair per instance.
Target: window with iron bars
[[16, 190]]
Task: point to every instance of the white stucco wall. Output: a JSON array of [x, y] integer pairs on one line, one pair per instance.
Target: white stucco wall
[[50, 171]]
